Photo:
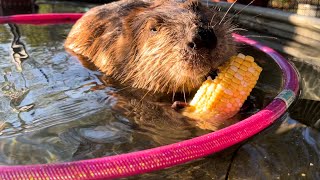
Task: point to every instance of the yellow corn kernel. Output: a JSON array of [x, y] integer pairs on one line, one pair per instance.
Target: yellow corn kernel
[[222, 98]]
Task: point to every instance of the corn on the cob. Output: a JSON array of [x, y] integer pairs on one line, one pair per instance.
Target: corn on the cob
[[222, 98]]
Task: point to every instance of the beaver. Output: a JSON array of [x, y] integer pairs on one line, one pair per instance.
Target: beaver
[[164, 46]]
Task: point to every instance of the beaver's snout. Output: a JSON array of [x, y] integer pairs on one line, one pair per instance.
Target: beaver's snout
[[204, 38]]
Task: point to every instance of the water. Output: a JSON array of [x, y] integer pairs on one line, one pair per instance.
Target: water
[[54, 109], [59, 110]]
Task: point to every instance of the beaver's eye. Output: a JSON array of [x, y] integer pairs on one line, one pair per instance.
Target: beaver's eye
[[154, 29]]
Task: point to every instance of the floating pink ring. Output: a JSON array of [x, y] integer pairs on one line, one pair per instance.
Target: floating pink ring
[[165, 156]]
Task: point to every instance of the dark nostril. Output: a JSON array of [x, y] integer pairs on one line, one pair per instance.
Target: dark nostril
[[191, 45], [204, 38]]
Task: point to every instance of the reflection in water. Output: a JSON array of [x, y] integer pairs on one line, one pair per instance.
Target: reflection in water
[[310, 80], [307, 112], [19, 51]]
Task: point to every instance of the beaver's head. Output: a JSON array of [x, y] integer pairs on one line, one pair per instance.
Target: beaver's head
[[161, 46], [175, 45]]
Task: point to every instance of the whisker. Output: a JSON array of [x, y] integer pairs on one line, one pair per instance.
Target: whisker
[[256, 15], [173, 95], [123, 88], [228, 11], [135, 107], [214, 15], [240, 11], [184, 94], [236, 29]]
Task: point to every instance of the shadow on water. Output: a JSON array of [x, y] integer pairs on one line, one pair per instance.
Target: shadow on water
[[54, 109]]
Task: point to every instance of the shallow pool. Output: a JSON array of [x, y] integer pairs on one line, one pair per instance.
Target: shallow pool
[[53, 108]]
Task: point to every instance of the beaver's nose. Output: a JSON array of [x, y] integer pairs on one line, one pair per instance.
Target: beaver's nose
[[204, 38]]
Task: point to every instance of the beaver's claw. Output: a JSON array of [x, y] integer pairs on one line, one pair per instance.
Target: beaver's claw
[[178, 105]]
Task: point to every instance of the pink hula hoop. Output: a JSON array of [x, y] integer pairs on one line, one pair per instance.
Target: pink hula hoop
[[165, 156]]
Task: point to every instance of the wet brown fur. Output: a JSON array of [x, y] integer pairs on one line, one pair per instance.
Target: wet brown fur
[[145, 44]]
